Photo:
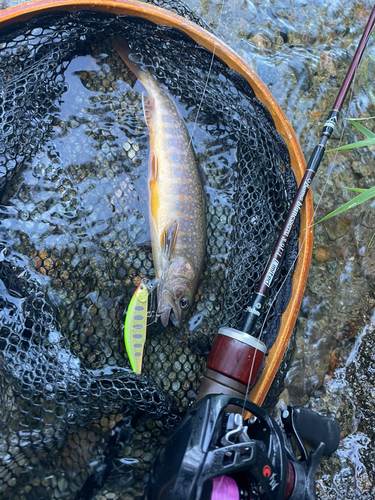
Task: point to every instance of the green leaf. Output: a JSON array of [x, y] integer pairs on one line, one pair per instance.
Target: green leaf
[[354, 145], [370, 141], [361, 198], [365, 131]]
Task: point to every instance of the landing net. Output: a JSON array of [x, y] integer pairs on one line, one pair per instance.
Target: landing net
[[74, 243]]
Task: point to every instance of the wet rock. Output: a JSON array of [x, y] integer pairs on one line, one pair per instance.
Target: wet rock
[[363, 169], [360, 376], [321, 254], [348, 396], [337, 227], [331, 268], [62, 484], [302, 74], [259, 40], [364, 233], [327, 62], [333, 362], [284, 33]]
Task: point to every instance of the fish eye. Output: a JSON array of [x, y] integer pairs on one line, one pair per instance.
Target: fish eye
[[184, 303]]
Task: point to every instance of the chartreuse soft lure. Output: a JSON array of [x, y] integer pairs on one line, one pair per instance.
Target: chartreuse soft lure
[[135, 327]]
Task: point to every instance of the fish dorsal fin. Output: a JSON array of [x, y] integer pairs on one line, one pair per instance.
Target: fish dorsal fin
[[169, 238], [148, 109]]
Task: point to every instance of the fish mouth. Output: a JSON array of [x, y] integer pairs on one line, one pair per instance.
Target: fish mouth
[[165, 315], [167, 310]]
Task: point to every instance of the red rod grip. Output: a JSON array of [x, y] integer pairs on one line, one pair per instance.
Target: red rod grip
[[235, 359]]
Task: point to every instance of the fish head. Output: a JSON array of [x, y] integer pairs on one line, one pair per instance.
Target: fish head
[[176, 292]]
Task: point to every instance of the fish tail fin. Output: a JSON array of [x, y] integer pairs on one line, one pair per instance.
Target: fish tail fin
[[124, 51]]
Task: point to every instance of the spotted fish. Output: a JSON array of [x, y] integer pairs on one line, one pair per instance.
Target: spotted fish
[[176, 198]]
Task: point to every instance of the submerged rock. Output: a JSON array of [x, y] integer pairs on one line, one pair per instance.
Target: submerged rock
[[337, 226]]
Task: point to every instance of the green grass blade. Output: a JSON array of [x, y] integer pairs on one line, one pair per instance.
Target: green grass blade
[[356, 190], [361, 198], [354, 145], [370, 141], [365, 131], [370, 242]]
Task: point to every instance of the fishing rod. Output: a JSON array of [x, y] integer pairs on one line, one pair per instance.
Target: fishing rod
[[237, 355]]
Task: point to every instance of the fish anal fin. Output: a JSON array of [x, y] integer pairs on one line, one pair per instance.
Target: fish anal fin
[[169, 238], [148, 109]]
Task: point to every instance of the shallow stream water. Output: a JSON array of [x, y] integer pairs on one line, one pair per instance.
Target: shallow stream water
[[301, 50]]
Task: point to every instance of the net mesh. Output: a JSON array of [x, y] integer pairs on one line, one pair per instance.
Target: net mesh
[[74, 243]]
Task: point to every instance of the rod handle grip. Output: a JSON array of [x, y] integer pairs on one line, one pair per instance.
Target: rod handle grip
[[236, 355]]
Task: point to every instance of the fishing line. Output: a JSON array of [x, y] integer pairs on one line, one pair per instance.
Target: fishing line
[[152, 322], [207, 80]]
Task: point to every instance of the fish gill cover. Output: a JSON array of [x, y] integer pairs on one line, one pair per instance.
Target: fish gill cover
[[74, 243]]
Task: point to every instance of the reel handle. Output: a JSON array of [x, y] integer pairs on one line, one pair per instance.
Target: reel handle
[[309, 426]]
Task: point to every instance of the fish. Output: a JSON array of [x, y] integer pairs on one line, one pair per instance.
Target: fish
[[177, 210]]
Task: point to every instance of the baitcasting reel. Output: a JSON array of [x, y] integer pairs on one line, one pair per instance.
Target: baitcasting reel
[[215, 454]]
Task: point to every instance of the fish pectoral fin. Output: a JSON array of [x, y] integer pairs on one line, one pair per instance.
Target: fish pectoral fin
[[169, 238], [148, 109]]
